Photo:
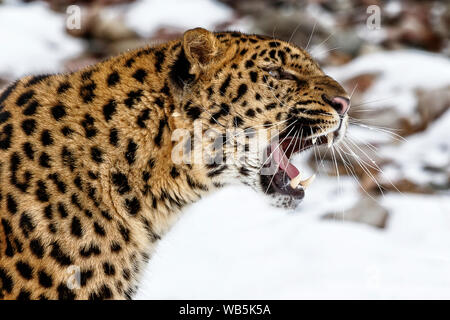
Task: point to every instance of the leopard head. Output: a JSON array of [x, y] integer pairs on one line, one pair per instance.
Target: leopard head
[[264, 96]]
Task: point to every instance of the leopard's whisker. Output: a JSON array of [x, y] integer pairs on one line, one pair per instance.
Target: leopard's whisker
[[326, 51], [353, 91], [388, 131], [311, 35], [323, 42], [363, 166], [350, 167], [371, 101], [354, 175], [340, 185], [377, 168], [293, 32]]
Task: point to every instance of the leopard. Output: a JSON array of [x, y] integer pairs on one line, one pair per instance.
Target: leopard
[[88, 179]]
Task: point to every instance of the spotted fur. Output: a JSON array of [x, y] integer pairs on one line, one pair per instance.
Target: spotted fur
[[86, 176]]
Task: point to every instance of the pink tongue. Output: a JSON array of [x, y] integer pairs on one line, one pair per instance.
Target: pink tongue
[[280, 158]]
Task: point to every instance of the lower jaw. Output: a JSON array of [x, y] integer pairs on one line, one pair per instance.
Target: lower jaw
[[279, 184]]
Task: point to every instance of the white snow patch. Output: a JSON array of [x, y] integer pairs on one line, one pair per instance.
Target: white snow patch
[[33, 40], [243, 249], [146, 16]]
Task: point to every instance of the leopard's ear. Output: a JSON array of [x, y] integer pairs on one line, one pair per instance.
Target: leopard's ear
[[201, 47]]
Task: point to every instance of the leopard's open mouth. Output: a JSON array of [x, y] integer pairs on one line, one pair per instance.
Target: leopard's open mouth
[[283, 177]]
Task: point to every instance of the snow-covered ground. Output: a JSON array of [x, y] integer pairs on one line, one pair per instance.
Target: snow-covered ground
[[232, 244]]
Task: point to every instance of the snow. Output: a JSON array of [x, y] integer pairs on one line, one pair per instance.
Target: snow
[[34, 40], [146, 16], [393, 8], [244, 249], [400, 73]]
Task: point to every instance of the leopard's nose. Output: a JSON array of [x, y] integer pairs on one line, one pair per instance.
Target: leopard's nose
[[340, 104]]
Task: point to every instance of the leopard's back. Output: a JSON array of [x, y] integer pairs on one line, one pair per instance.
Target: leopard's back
[[64, 231]]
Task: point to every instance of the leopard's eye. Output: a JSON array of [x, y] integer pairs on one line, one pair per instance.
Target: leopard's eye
[[280, 74], [274, 73]]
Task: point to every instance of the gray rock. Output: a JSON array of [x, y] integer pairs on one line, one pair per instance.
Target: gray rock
[[367, 211]]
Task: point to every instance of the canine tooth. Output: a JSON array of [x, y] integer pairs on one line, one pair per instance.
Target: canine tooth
[[330, 138], [314, 140], [295, 181], [307, 182]]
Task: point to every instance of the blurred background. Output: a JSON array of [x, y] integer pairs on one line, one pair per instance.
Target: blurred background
[[375, 224]]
